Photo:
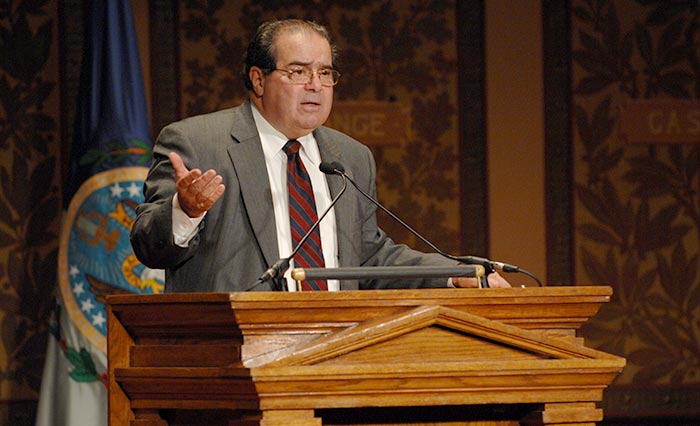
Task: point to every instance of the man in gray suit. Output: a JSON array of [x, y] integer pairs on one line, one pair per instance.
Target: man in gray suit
[[219, 230]]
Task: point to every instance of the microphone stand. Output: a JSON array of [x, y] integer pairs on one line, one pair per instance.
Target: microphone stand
[[489, 266]]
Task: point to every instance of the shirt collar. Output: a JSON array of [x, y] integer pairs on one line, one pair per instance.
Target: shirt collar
[[273, 140]]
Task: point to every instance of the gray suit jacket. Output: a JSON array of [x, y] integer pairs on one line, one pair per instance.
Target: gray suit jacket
[[237, 240]]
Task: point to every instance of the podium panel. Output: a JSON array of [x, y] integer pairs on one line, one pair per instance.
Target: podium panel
[[427, 356]]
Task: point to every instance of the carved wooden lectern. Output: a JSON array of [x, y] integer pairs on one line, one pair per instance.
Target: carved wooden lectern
[[428, 356]]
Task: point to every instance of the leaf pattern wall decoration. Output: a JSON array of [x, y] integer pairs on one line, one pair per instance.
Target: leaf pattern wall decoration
[[637, 206], [29, 193]]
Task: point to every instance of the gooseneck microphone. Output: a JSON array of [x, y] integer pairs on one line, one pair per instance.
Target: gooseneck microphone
[[277, 269], [489, 266]]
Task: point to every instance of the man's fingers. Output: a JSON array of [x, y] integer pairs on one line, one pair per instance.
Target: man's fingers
[[464, 282], [183, 177], [198, 192], [220, 189], [212, 187], [497, 281], [178, 165], [185, 182], [195, 182]]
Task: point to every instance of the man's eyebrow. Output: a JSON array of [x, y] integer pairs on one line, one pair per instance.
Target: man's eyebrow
[[306, 64]]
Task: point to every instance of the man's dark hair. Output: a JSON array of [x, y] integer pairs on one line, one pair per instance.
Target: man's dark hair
[[261, 50]]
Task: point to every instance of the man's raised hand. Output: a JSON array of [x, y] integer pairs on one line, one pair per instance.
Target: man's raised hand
[[196, 191]]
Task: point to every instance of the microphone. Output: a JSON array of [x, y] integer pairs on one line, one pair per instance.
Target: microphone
[[332, 168], [277, 269], [489, 266]]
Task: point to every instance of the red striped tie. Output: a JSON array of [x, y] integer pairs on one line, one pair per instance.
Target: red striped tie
[[302, 215]]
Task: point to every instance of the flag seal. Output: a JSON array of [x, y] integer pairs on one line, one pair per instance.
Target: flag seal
[[95, 255]]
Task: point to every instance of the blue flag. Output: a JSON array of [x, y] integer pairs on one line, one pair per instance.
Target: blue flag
[[109, 155], [112, 123]]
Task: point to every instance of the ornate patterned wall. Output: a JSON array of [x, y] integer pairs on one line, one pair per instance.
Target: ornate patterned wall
[[637, 206], [29, 194]]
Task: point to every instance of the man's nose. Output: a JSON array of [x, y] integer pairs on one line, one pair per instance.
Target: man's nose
[[314, 82]]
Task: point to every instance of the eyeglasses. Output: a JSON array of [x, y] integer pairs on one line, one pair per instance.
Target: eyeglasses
[[328, 77]]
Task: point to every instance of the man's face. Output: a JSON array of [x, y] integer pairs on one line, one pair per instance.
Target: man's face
[[296, 109]]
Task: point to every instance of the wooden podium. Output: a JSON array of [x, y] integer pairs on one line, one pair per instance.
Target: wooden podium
[[428, 356]]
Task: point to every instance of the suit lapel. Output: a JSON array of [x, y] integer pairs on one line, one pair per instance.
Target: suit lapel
[[249, 163]]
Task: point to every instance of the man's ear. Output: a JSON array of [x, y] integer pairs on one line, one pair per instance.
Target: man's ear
[[257, 78]]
